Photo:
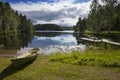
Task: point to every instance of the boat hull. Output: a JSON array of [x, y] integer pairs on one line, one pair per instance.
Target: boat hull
[[25, 58], [17, 63]]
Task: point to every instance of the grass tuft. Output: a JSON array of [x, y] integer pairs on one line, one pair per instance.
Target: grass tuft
[[89, 57]]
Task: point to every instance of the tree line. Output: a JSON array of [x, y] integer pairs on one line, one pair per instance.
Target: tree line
[[13, 22], [50, 27], [103, 16]]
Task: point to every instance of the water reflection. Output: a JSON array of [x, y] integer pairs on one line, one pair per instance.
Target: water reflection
[[98, 42], [11, 43], [52, 41], [63, 39], [47, 34], [48, 42]]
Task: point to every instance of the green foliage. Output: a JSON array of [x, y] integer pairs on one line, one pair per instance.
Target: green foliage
[[89, 57], [48, 27], [10, 21], [102, 17], [114, 35], [67, 27], [80, 26]]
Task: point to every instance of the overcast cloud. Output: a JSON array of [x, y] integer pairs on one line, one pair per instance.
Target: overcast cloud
[[62, 12]]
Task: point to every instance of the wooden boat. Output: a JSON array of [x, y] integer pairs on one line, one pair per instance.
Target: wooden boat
[[25, 58]]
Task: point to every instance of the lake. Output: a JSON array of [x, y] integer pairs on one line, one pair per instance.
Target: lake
[[51, 41]]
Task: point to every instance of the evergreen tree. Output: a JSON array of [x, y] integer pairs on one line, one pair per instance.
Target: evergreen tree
[[93, 20], [80, 26], [109, 13], [1, 16], [11, 21], [105, 17]]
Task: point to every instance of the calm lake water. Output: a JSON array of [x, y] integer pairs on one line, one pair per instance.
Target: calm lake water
[[51, 41]]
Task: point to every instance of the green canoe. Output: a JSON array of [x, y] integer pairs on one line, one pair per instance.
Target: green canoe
[[25, 58]]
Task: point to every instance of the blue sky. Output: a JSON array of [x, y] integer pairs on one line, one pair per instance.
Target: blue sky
[[61, 12]]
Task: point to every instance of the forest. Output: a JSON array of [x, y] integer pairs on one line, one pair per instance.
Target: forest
[[104, 16], [13, 22], [48, 27]]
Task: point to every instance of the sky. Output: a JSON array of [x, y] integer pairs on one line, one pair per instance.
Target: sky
[[61, 12]]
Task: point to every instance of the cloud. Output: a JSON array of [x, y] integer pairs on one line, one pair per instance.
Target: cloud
[[62, 12]]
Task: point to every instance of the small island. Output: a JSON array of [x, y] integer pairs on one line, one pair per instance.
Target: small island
[[52, 27], [49, 27]]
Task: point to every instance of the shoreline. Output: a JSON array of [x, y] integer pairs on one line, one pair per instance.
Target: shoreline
[[44, 69]]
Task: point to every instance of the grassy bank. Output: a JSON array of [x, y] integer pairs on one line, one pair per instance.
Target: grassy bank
[[108, 58], [54, 67]]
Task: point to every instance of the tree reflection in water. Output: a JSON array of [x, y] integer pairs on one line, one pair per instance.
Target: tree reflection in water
[[11, 43], [96, 45]]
